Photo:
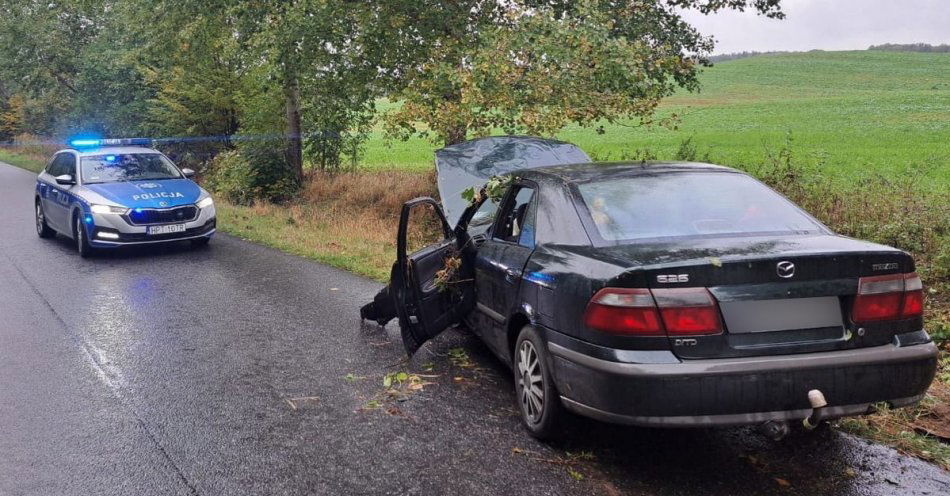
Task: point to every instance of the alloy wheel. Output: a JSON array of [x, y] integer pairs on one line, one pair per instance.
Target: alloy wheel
[[530, 382], [40, 220]]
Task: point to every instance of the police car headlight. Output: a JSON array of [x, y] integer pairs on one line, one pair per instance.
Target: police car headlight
[[106, 209], [205, 203]]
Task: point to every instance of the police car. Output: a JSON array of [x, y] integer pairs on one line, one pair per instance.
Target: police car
[[117, 192]]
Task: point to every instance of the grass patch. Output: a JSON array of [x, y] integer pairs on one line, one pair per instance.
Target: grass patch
[[23, 161]]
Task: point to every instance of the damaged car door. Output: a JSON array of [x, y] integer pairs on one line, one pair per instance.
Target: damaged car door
[[431, 288]]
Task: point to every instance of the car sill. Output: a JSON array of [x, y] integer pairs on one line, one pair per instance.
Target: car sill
[[497, 317]]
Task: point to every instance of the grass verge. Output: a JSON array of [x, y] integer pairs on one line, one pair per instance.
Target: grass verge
[[347, 220], [23, 161]]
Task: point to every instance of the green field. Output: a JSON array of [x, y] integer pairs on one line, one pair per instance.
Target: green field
[[851, 112]]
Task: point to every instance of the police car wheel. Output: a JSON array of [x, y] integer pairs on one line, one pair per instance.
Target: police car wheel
[[82, 241], [42, 229]]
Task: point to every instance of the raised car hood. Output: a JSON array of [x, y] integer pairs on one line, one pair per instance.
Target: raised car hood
[[149, 194], [472, 163]]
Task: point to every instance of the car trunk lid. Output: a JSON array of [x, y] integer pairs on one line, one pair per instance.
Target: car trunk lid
[[776, 295]]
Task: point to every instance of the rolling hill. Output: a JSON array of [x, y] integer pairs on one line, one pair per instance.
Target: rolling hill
[[851, 113]]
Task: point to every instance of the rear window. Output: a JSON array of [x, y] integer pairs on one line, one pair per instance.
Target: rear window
[[127, 167], [689, 204]]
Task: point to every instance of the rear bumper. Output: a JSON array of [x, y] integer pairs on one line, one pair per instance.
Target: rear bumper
[[738, 391]]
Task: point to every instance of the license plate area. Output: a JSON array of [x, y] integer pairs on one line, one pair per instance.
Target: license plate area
[[165, 229], [755, 316]]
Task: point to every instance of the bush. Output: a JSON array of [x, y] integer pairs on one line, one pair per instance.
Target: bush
[[251, 173], [903, 213]]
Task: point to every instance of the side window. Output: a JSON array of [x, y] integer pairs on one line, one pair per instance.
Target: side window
[[55, 166], [69, 164], [485, 214], [527, 228], [515, 225]]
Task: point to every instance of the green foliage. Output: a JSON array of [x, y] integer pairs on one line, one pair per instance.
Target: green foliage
[[394, 379], [686, 151], [535, 66], [254, 171], [494, 189], [859, 113]]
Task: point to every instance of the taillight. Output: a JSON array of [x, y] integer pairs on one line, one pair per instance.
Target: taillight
[[913, 296], [624, 311], [634, 312], [688, 311], [891, 297]]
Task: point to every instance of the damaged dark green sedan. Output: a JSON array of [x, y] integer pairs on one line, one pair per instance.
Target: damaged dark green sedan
[[659, 293]]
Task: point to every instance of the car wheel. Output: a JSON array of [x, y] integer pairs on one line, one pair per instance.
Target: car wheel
[[42, 228], [200, 242], [82, 240], [538, 400]]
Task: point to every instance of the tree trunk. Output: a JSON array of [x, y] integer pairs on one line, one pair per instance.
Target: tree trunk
[[294, 149], [456, 134]]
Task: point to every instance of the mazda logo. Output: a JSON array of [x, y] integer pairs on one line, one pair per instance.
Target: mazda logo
[[785, 269]]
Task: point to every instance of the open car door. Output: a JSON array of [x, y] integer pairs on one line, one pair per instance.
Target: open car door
[[430, 289]]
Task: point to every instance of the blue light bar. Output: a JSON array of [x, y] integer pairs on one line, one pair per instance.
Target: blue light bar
[[94, 143]]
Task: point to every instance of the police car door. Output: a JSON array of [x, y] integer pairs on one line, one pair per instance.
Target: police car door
[[431, 289], [57, 201]]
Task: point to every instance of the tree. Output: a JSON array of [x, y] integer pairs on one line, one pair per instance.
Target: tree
[[534, 66], [41, 48]]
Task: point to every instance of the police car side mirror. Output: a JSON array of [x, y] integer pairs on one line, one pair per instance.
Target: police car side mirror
[[190, 174], [65, 179]]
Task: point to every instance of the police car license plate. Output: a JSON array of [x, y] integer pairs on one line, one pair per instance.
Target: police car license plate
[[171, 228]]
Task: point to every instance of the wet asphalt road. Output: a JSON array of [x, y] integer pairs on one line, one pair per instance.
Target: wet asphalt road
[[237, 369]]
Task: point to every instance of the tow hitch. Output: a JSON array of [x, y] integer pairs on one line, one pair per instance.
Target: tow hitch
[[818, 403], [778, 429]]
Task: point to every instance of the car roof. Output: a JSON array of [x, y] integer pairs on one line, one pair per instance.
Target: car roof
[[579, 173], [109, 150]]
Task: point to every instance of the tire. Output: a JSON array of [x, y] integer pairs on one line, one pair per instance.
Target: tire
[[543, 415], [81, 237], [200, 242], [42, 228]]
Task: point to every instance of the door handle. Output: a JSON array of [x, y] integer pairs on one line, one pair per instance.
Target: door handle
[[511, 275]]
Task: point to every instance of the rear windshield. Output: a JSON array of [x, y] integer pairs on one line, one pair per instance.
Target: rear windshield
[[689, 204], [127, 167]]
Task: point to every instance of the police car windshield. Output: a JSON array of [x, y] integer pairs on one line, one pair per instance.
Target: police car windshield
[[98, 169]]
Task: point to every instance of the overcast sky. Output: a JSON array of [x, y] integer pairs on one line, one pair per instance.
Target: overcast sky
[[829, 25]]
